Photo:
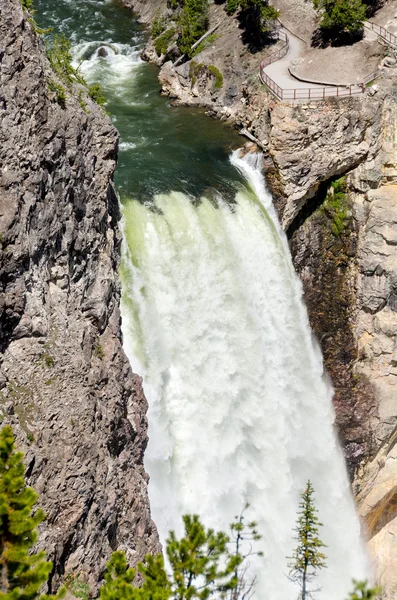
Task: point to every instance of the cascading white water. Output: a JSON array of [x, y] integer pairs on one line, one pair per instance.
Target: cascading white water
[[240, 409]]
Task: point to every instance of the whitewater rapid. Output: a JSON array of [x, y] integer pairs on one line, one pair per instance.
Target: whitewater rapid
[[239, 407]]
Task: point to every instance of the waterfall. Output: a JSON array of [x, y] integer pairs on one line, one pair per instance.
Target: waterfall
[[213, 318], [239, 407]]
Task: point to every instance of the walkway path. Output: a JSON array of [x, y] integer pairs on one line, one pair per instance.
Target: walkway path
[[278, 71], [275, 73]]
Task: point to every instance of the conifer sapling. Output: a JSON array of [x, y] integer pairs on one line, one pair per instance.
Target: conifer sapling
[[307, 557]]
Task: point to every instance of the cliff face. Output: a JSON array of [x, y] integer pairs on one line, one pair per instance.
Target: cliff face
[[66, 386], [345, 253]]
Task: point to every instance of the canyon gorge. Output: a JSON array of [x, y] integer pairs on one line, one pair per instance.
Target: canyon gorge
[[195, 327]]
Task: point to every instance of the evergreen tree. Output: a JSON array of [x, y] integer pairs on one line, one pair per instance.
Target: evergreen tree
[[118, 580], [22, 573], [363, 592], [200, 562], [307, 557], [193, 22], [242, 533], [340, 17], [201, 565], [256, 16]]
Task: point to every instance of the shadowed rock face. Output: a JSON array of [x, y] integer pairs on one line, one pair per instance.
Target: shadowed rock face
[[65, 384]]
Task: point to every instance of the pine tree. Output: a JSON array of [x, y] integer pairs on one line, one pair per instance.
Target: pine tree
[[118, 580], [363, 592], [200, 562], [242, 533], [22, 573], [257, 17], [201, 565], [340, 17], [307, 557]]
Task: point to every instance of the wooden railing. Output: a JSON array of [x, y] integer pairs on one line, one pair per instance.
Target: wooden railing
[[280, 52], [313, 93], [390, 38]]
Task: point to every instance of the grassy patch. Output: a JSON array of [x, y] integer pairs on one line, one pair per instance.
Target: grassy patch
[[163, 41], [60, 92], [78, 587], [218, 76], [46, 358], [336, 206], [99, 352], [196, 69]]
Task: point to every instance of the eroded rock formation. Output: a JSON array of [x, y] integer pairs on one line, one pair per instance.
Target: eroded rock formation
[[66, 386]]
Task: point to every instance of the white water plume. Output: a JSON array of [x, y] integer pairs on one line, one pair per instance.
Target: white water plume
[[112, 64], [240, 410]]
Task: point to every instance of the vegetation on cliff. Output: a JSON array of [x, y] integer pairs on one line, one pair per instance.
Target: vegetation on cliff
[[60, 57], [22, 572], [202, 562]]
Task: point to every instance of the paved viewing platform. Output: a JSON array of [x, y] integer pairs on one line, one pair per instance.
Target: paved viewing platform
[[276, 73]]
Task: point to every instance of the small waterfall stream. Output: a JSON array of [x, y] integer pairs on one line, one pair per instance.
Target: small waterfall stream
[[213, 319]]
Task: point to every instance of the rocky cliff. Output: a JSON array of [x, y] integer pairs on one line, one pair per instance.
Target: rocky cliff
[[336, 168], [78, 411]]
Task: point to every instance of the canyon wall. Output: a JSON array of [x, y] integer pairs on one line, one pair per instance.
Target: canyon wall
[[67, 389]]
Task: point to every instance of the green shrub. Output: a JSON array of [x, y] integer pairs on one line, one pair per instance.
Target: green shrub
[[99, 351], [159, 25], [60, 57], [194, 70], [28, 4], [193, 23], [174, 4], [341, 16], [95, 93], [78, 587], [163, 41], [218, 76], [232, 6], [336, 206], [60, 92]]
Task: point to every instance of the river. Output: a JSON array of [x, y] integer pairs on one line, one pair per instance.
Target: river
[[213, 319]]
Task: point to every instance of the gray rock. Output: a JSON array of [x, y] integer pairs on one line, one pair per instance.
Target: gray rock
[[67, 387]]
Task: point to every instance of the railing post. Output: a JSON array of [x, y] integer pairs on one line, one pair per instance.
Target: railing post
[[295, 94], [323, 92]]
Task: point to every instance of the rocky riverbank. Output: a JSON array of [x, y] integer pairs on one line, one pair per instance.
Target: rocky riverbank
[[66, 386]]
